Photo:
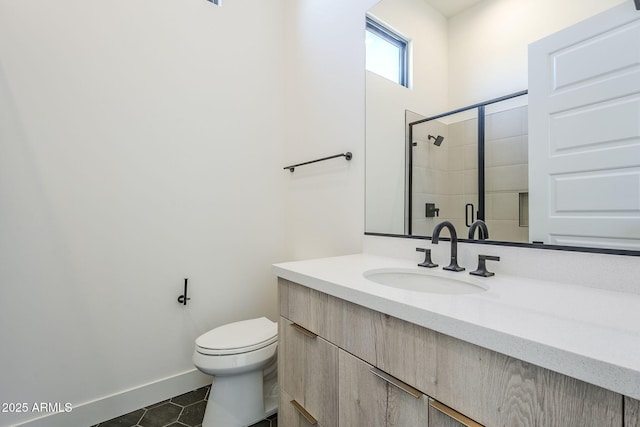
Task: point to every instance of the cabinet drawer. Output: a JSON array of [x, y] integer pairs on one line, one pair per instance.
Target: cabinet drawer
[[498, 390], [368, 399], [303, 305], [308, 372]]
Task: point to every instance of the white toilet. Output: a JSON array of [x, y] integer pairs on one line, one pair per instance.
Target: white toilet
[[242, 358]]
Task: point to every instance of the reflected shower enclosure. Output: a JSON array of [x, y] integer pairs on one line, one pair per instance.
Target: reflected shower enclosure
[[469, 164]]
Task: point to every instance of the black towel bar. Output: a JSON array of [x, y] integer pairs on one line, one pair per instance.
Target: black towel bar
[[346, 155]]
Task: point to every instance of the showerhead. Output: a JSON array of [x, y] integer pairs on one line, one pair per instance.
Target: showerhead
[[437, 140]]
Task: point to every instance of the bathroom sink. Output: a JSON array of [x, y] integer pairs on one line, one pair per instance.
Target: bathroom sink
[[417, 280]]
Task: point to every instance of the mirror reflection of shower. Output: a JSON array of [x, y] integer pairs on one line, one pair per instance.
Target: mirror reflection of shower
[[480, 173]]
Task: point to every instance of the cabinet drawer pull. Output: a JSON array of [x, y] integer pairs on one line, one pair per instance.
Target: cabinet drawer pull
[[307, 416], [303, 330], [396, 382], [465, 421]]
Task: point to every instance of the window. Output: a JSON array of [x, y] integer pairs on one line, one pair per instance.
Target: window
[[386, 53], [218, 2]]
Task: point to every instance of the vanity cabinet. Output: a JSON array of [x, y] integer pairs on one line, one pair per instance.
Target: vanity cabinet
[[631, 412], [482, 386]]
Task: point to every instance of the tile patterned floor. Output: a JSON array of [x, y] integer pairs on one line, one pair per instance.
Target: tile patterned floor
[[186, 410]]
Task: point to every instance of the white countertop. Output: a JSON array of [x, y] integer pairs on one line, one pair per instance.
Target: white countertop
[[586, 333]]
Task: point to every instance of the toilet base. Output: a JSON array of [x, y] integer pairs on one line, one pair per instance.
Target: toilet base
[[240, 400]]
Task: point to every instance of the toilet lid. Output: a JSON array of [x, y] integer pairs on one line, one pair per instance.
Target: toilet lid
[[239, 337]]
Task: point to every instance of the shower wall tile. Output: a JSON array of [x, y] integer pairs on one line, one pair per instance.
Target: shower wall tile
[[471, 181], [420, 154], [453, 207], [506, 124], [419, 227], [456, 183], [438, 157], [506, 230], [507, 151], [462, 231], [424, 180], [470, 156], [463, 133], [442, 183], [417, 206], [456, 158], [507, 178], [446, 206], [525, 148], [503, 206], [457, 134]]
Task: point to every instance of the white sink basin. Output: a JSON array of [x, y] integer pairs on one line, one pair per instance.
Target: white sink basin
[[422, 280]]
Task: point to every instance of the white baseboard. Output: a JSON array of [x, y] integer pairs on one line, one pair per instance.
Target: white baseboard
[[96, 411]]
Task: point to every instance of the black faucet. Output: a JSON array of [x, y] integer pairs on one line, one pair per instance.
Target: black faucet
[[483, 233], [454, 244]]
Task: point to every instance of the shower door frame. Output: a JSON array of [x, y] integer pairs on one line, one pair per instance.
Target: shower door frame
[[481, 149]]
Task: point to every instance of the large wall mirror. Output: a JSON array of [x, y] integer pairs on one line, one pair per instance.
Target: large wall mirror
[[451, 142]]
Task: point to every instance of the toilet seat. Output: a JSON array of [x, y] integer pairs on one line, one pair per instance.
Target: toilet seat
[[239, 337]]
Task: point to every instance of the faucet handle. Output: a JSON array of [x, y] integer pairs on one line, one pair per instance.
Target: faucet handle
[[427, 258], [482, 266]]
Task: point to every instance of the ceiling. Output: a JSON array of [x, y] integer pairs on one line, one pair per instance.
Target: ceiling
[[450, 8]]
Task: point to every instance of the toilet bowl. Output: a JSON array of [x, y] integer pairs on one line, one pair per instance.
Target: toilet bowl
[[242, 358]]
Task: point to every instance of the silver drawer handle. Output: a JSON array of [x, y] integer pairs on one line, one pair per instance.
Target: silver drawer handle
[[396, 382], [307, 416], [303, 330], [452, 413]]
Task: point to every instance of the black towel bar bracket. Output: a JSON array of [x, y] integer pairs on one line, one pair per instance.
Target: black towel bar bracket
[[346, 155]]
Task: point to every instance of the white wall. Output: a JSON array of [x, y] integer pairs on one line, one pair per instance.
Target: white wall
[[140, 143], [324, 106], [387, 101], [488, 43]]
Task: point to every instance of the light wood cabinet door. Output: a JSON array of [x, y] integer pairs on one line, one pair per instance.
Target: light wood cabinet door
[[308, 374], [372, 398], [498, 390], [631, 412]]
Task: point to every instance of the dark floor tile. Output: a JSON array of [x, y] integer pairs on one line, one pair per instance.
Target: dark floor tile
[[274, 422], [263, 423], [192, 415], [126, 420], [177, 425], [161, 415], [156, 404], [190, 397]]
